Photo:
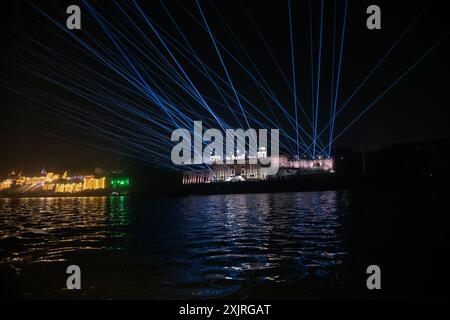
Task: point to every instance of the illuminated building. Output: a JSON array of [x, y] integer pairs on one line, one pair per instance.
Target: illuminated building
[[254, 172], [88, 183], [48, 187], [91, 183], [69, 188], [59, 188], [54, 182], [20, 181], [51, 177], [78, 187], [34, 180], [6, 184], [48, 177]]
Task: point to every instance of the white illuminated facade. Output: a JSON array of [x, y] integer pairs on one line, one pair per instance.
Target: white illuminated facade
[[254, 172]]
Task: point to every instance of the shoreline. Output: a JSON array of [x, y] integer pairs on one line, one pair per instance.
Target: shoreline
[[299, 183], [12, 195], [316, 182]]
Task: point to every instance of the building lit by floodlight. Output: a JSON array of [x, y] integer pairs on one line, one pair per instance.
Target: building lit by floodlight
[[54, 183], [255, 172]]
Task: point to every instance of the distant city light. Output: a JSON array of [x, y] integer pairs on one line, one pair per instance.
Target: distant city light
[[50, 182]]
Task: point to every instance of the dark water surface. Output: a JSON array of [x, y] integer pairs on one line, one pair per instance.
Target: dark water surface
[[287, 245]]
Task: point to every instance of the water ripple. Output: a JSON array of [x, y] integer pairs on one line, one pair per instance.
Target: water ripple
[[193, 247]]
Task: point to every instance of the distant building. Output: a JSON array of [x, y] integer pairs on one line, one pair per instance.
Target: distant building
[[255, 172], [91, 183], [5, 184], [50, 182]]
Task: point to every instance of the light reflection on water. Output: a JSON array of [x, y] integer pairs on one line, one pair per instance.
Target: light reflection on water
[[198, 246], [47, 229]]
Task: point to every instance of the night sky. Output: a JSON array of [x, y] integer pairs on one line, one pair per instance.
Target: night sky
[[416, 109]]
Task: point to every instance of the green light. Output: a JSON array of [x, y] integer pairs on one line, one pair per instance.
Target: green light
[[120, 183]]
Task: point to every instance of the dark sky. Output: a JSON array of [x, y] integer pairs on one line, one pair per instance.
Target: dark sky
[[414, 110]]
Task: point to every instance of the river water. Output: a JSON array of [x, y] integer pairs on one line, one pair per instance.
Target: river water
[[287, 245]]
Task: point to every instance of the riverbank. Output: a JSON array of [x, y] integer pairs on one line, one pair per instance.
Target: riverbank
[[316, 182], [48, 194]]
